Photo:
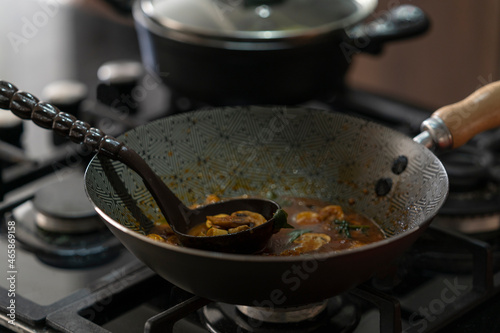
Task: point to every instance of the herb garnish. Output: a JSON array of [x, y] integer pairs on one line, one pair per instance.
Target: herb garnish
[[294, 234], [345, 228], [281, 220]]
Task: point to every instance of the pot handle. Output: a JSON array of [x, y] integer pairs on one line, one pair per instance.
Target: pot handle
[[397, 23], [453, 125]]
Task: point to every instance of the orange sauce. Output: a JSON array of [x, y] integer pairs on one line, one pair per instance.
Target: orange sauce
[[318, 227]]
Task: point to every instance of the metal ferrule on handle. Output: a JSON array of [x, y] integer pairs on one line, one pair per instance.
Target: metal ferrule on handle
[[435, 134], [453, 125]]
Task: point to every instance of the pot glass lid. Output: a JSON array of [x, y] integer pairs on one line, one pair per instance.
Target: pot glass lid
[[256, 18]]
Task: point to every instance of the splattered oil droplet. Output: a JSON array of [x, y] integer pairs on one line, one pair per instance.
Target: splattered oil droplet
[[399, 165], [383, 186]]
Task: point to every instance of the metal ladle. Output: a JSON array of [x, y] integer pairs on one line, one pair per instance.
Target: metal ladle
[[180, 217]]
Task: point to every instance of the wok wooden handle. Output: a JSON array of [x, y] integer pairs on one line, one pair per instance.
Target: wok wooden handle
[[479, 112]]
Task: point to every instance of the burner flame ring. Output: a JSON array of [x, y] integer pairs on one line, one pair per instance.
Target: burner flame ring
[[283, 315]]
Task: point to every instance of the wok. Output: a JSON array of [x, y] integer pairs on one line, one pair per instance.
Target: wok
[[276, 151], [284, 151]]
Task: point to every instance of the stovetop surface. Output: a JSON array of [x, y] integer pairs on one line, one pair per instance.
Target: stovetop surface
[[122, 295]]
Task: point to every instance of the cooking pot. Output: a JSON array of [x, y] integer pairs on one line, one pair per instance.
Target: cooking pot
[[237, 52], [279, 151]]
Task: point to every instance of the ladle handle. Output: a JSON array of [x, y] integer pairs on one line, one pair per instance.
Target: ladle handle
[[26, 106], [453, 125]]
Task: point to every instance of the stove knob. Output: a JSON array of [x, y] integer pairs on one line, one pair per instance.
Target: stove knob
[[11, 152], [119, 80], [11, 128], [67, 96]]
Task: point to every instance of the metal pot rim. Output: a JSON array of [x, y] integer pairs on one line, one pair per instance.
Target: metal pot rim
[[145, 14]]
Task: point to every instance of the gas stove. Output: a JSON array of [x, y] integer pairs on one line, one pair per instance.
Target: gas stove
[[65, 272], [68, 273]]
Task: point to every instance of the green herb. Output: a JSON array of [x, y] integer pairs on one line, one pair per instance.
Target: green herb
[[280, 218], [294, 234], [345, 228]]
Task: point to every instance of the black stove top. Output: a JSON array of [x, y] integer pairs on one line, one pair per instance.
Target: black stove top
[[86, 281]]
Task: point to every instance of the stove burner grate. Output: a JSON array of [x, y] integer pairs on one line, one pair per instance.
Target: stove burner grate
[[64, 250], [63, 207], [337, 315]]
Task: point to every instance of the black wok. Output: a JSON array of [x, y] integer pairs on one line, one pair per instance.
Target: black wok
[[284, 151], [278, 151]]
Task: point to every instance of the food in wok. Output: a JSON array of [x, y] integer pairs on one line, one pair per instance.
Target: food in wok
[[316, 227]]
